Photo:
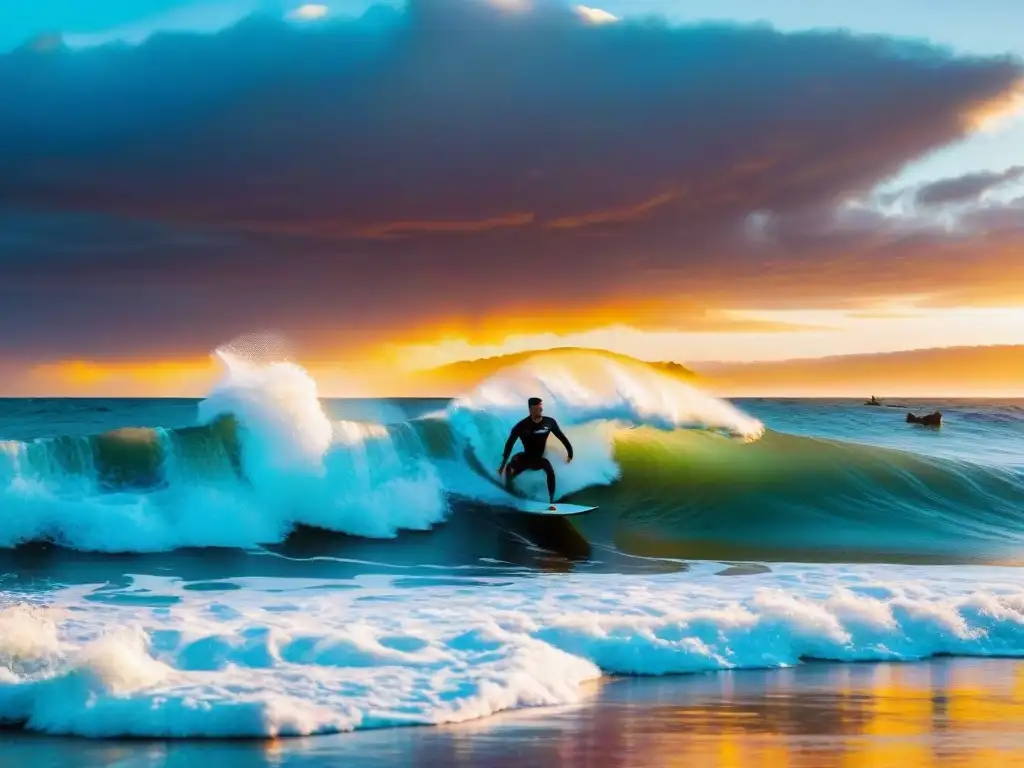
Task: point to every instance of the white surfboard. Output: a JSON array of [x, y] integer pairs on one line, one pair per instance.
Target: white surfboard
[[530, 506], [541, 508]]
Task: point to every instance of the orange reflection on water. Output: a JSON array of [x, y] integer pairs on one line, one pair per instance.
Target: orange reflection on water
[[896, 719], [942, 713]]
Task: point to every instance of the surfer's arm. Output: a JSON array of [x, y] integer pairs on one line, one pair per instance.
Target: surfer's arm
[[512, 437], [557, 432]]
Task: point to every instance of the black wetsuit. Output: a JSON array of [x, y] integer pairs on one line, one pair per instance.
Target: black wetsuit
[[534, 436]]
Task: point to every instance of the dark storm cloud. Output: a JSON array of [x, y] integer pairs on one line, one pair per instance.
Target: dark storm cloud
[[966, 188], [406, 168]]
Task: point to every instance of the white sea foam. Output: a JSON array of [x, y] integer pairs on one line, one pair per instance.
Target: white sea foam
[[288, 658], [344, 476]]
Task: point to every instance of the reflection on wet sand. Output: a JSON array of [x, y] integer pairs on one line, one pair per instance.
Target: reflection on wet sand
[[948, 712]]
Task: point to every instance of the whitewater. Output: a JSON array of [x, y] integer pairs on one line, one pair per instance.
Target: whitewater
[[265, 562]]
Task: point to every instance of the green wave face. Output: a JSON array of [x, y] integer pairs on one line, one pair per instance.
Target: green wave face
[[783, 497], [139, 458]]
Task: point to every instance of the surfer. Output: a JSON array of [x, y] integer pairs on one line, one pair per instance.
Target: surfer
[[533, 431]]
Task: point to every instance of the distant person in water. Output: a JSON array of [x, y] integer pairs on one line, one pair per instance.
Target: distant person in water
[[533, 431]]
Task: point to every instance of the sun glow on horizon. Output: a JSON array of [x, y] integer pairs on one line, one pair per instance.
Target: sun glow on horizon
[[130, 378], [891, 327], [392, 370], [188, 377]]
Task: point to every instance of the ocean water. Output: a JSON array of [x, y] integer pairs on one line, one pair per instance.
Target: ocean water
[[263, 562]]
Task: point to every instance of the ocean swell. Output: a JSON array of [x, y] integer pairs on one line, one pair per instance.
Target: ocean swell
[[675, 472]]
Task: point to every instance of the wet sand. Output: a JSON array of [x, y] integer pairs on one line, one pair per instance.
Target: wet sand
[[946, 712]]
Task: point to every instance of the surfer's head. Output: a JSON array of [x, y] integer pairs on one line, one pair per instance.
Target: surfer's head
[[536, 406]]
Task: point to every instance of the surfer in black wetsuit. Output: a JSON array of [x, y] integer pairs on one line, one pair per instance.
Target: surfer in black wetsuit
[[533, 431]]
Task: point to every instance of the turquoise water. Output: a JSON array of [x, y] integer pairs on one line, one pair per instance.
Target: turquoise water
[[263, 562]]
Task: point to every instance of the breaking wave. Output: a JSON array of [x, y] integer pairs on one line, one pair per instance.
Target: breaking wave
[[675, 472]]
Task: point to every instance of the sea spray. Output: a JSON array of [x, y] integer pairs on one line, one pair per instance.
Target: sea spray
[[345, 476], [281, 421], [582, 387]]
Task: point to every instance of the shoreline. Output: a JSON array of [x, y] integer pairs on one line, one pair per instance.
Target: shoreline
[[945, 711]]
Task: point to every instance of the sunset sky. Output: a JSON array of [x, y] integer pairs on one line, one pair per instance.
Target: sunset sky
[[407, 185]]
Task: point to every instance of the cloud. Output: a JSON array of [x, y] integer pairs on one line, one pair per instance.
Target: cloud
[[457, 112], [966, 188], [595, 15], [455, 165], [309, 12], [995, 115], [204, 16], [885, 246]]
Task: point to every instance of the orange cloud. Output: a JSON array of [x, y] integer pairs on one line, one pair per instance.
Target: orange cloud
[[446, 227], [992, 114], [554, 321], [614, 215]]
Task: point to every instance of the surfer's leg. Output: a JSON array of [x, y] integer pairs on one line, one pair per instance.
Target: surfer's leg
[[509, 475], [550, 472], [513, 468]]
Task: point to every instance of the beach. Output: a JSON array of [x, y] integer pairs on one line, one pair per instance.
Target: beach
[[948, 712]]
